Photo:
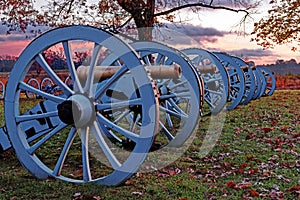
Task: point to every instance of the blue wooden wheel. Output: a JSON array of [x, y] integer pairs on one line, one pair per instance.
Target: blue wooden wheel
[[215, 77], [263, 83], [46, 84], [180, 99], [33, 82], [68, 81], [249, 80], [66, 131], [270, 81], [2, 90], [237, 80], [258, 83]]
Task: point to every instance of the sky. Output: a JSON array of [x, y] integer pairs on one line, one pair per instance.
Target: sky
[[212, 30], [217, 31]]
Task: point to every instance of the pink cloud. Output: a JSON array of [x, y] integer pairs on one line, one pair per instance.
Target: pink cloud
[[13, 48]]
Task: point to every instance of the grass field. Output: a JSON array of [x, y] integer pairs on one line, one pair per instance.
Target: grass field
[[257, 156]]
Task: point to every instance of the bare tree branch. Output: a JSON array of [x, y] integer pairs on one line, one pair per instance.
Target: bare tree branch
[[201, 5]]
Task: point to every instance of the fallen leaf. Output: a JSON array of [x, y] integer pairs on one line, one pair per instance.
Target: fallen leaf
[[266, 130], [294, 189], [137, 193], [276, 195], [238, 130], [254, 193], [230, 184], [276, 187], [243, 165], [250, 136], [77, 195], [129, 182], [243, 185], [280, 177]]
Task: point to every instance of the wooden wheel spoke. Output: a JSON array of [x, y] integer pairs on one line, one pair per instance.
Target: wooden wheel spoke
[[100, 91], [72, 70], [88, 88], [24, 86], [174, 95], [130, 135], [23, 118], [38, 144], [84, 135], [42, 62], [105, 148], [172, 87], [173, 113], [62, 157], [118, 105], [166, 131]]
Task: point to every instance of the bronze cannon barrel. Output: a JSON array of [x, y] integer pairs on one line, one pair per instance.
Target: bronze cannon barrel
[[156, 72], [207, 69]]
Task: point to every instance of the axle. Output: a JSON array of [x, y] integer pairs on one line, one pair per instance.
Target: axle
[[156, 72]]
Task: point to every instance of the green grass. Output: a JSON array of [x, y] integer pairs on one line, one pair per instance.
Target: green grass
[[256, 154]]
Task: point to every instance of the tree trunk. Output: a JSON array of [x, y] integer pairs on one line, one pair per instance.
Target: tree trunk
[[143, 15], [144, 27]]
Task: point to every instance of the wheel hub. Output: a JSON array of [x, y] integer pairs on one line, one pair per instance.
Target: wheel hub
[[78, 110]]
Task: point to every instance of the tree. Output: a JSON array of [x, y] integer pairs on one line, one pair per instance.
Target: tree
[[110, 14], [17, 15], [281, 26]]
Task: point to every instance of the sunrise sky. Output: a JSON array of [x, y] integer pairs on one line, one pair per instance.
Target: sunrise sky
[[213, 30]]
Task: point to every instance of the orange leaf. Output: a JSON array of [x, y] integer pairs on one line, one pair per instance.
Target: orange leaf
[[267, 130], [230, 184], [241, 171], [243, 165], [238, 130], [243, 185], [254, 193], [294, 189]]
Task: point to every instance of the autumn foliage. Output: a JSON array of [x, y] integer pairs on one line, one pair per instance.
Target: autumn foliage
[[287, 82], [281, 26]]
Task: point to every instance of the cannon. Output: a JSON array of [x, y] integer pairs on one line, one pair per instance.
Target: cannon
[[180, 98], [78, 133], [33, 82], [124, 106], [270, 81], [236, 77], [249, 80], [215, 78], [100, 120]]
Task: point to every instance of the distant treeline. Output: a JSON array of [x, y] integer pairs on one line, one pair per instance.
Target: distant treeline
[[282, 67], [6, 65], [55, 60]]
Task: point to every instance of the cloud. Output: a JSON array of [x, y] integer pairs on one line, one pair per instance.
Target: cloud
[[232, 3], [20, 36], [13, 37], [252, 53], [185, 33], [192, 30], [13, 48]]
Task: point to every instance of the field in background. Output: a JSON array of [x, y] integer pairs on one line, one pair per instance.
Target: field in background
[[256, 156]]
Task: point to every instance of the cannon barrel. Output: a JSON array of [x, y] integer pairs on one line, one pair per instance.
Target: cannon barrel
[[207, 69], [157, 72]]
